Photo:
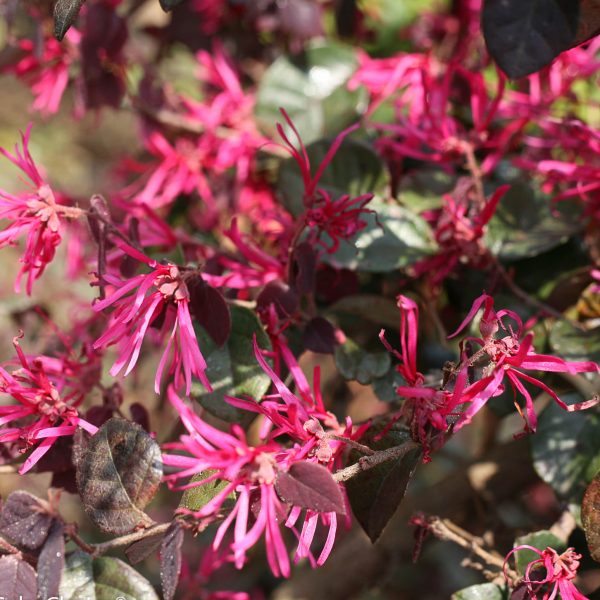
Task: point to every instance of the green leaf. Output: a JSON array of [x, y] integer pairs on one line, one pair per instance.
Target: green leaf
[[372, 307], [483, 591], [394, 238], [566, 448], [312, 89], [78, 577], [115, 579], [385, 387], [524, 225], [233, 369], [102, 578], [538, 539], [573, 344], [355, 169], [356, 364], [196, 497], [375, 494], [423, 189]]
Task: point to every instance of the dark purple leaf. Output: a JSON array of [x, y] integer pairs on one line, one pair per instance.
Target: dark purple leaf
[[334, 284], [51, 562], [24, 520], [375, 494], [521, 592], [170, 560], [278, 293], [142, 549], [210, 309], [304, 266], [58, 458], [319, 336], [310, 485], [139, 415], [590, 517], [168, 5], [17, 579], [118, 474], [65, 13], [104, 36]]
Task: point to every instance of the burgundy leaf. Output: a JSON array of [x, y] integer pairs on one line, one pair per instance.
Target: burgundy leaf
[[51, 562], [168, 5], [210, 309], [118, 474], [142, 549], [281, 295], [310, 485], [104, 36], [304, 266], [139, 415], [17, 579], [319, 336], [170, 560], [335, 284], [24, 520]]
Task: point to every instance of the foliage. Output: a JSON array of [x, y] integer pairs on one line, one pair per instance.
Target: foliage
[[348, 261]]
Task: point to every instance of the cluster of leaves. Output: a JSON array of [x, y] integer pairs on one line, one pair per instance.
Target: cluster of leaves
[[309, 173]]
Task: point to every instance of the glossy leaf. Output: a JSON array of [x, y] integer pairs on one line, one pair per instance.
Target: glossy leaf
[[574, 344], [118, 475], [311, 486], [538, 539], [24, 520], [103, 578], [170, 560], [196, 497], [483, 591], [375, 494], [356, 364], [566, 448], [394, 238], [590, 516], [17, 579], [65, 14], [525, 35], [525, 226], [78, 577], [51, 562], [355, 169], [233, 369], [312, 88]]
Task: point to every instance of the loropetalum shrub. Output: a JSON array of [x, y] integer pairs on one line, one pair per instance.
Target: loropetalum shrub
[[359, 265]]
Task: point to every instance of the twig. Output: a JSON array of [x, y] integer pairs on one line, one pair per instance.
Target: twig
[[352, 444], [125, 540], [446, 530], [532, 301], [368, 462]]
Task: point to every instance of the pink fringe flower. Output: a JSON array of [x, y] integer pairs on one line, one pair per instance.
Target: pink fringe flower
[[41, 414], [159, 298], [36, 214], [561, 569], [250, 473]]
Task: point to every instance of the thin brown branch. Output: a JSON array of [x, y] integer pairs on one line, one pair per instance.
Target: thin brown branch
[[531, 300], [446, 530], [368, 462], [125, 540]]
